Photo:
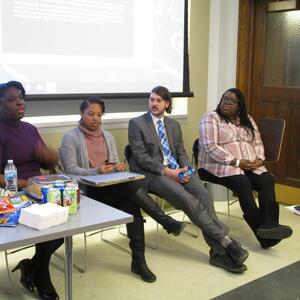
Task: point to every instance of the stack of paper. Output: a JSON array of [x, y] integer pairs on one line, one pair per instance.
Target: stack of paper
[[43, 216]]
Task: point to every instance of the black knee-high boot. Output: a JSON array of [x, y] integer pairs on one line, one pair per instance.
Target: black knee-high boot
[[135, 232], [40, 264], [155, 212], [254, 221]]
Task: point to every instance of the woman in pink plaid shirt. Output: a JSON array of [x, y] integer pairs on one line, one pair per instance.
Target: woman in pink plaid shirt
[[231, 153]]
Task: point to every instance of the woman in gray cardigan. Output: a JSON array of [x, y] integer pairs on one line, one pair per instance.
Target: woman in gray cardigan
[[89, 150]]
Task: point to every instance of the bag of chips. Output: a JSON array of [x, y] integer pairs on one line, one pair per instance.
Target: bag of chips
[[5, 206], [10, 219], [10, 207]]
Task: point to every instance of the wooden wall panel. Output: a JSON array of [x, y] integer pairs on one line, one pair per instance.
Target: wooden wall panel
[[293, 145]]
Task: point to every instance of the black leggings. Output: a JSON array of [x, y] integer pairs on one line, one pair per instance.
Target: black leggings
[[243, 185], [43, 251]]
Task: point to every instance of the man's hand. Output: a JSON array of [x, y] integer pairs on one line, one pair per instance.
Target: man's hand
[[174, 174]]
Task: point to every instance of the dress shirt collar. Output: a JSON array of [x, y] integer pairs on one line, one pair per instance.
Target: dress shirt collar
[[155, 120]]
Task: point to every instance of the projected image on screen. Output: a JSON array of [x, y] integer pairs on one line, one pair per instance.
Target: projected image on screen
[[92, 46]]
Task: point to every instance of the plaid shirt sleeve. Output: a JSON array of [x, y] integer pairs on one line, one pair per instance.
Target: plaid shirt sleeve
[[209, 135]]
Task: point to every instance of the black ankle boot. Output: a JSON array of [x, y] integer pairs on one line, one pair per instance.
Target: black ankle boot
[[141, 268], [155, 212], [26, 274]]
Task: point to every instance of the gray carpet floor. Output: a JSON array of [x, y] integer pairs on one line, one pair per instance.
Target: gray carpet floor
[[283, 284]]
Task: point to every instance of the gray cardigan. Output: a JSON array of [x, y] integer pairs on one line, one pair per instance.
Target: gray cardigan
[[74, 154]]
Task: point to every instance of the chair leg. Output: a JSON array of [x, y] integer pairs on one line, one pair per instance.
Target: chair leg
[[229, 203], [7, 290], [85, 251], [154, 245], [81, 269], [228, 208], [110, 242]]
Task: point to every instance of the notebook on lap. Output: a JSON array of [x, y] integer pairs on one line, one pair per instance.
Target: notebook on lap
[[111, 178]]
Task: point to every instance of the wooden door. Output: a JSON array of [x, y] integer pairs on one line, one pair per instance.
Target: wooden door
[[268, 72]]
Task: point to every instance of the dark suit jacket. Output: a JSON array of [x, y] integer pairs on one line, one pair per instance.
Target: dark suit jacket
[[147, 156]]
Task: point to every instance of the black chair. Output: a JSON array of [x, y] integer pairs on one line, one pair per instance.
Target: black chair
[[272, 133], [195, 152]]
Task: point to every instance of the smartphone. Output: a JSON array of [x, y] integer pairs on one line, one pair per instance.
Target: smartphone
[[110, 163]]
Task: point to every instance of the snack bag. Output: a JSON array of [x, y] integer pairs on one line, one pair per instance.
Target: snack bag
[[10, 219], [20, 201], [10, 208], [5, 206]]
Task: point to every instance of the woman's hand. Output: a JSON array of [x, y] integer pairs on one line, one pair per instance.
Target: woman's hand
[[120, 167], [47, 157], [256, 164], [246, 164], [106, 168]]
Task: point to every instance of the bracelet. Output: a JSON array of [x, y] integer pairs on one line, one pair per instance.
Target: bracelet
[[237, 163]]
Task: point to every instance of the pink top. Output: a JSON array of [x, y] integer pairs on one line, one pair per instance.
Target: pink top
[[221, 142], [96, 146]]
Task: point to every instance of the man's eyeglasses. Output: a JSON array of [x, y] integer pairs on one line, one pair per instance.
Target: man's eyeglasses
[[228, 100]]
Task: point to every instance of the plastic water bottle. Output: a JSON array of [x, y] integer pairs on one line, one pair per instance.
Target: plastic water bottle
[[189, 172], [11, 177]]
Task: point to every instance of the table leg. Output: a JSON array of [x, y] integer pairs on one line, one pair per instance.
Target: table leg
[[68, 267]]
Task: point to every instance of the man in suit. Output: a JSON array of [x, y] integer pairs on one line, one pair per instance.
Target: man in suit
[[158, 153]]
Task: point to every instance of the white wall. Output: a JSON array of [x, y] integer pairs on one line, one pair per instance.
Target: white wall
[[223, 31]]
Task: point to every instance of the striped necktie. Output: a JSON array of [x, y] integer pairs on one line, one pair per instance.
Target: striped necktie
[[165, 145]]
